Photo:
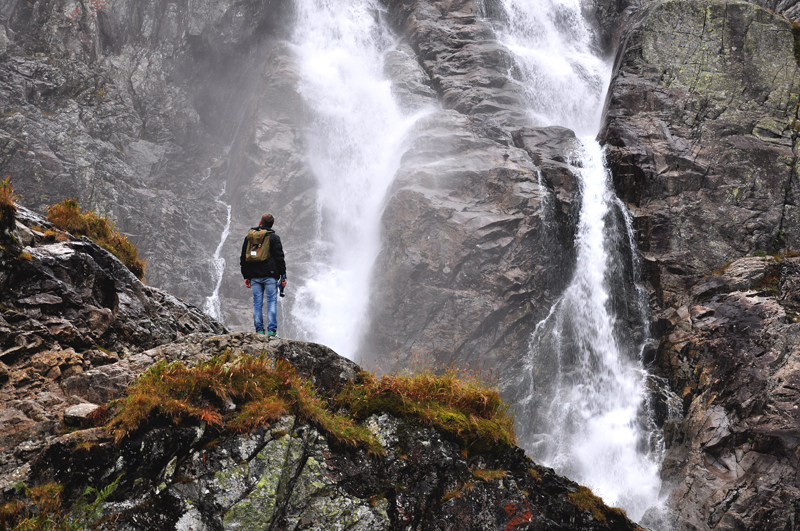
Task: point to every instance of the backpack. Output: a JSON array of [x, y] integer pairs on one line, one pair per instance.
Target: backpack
[[257, 245]]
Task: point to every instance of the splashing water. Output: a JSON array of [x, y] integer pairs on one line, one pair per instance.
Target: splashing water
[[354, 148], [585, 385]]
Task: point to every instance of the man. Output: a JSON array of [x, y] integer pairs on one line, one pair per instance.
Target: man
[[264, 269]]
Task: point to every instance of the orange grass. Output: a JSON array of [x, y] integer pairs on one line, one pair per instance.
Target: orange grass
[[464, 409], [67, 216], [8, 210], [261, 391], [585, 500]]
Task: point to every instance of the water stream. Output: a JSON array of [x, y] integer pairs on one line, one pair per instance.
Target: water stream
[[354, 146], [581, 406], [581, 398], [212, 306]]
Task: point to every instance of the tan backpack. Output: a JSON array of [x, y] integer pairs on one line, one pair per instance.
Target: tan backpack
[[257, 245]]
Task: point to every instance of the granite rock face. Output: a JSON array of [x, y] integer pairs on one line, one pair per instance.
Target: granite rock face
[[480, 219], [128, 107], [703, 143], [731, 351], [701, 135]]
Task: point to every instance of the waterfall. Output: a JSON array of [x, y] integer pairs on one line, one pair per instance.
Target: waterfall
[[581, 398], [561, 73], [584, 384], [212, 305], [355, 142]]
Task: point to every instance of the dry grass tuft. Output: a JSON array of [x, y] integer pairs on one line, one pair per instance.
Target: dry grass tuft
[[262, 392], [67, 216], [8, 209], [488, 475], [586, 500], [463, 409]]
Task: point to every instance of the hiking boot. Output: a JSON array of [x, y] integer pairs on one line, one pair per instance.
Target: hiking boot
[[273, 334]]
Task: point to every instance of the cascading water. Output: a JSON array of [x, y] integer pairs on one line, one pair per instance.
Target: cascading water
[[562, 74], [212, 304], [581, 397], [584, 384], [354, 146]]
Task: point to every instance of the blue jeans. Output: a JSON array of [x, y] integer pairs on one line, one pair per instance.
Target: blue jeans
[[259, 286]]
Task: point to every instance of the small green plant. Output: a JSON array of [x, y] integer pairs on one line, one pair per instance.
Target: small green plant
[[40, 508], [262, 394], [461, 408], [8, 209], [67, 216], [25, 256]]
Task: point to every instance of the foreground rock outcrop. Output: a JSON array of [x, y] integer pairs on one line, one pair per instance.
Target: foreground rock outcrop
[[288, 475], [283, 475]]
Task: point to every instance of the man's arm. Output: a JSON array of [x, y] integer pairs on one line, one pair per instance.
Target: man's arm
[[242, 262], [276, 250]]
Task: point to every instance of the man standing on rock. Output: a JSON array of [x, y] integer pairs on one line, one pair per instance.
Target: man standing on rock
[[264, 270]]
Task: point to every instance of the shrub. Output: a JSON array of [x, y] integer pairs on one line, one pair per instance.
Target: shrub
[[463, 409], [8, 209], [262, 395], [41, 509], [67, 216]]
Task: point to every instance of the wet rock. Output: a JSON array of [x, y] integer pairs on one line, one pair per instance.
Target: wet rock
[[701, 142], [684, 141], [79, 415], [126, 107]]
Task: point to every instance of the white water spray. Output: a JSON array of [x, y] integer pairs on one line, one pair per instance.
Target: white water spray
[[354, 147], [585, 390], [581, 397], [212, 305], [563, 76]]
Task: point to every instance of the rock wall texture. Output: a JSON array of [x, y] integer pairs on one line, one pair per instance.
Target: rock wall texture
[[73, 322], [480, 219], [128, 107], [701, 134]]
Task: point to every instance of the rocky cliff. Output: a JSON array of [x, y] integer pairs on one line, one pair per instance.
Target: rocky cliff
[[130, 108], [701, 135], [78, 329]]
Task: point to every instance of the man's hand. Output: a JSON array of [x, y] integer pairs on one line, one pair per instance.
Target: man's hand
[[283, 284], [247, 282]]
